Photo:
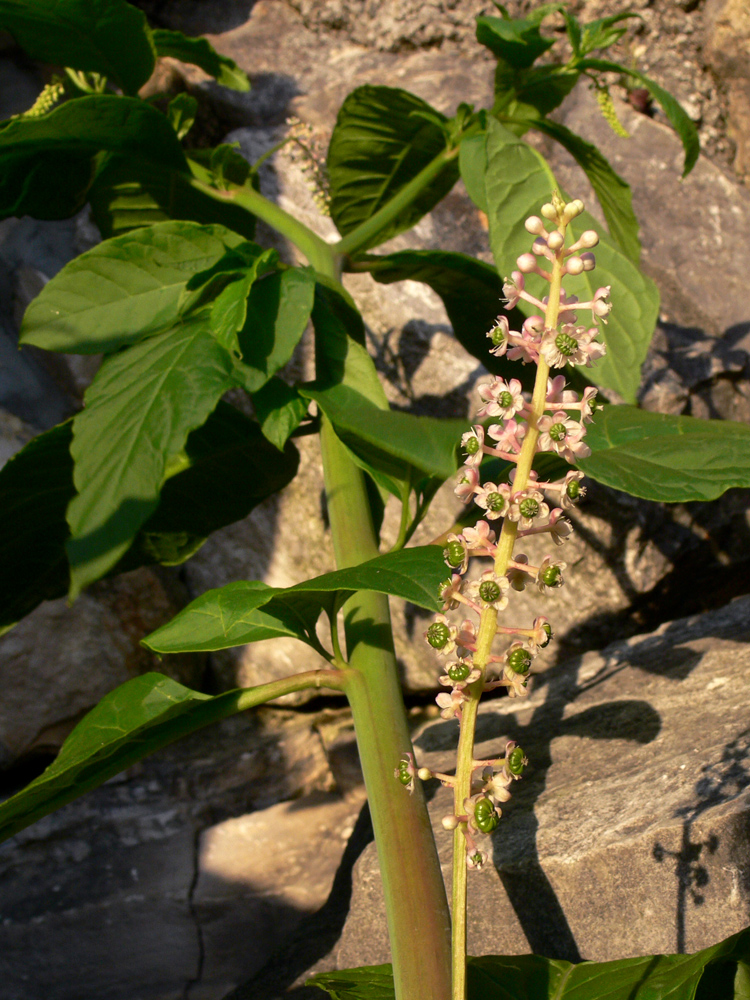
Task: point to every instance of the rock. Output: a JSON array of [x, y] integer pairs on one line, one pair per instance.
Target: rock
[[59, 661], [258, 876], [139, 889], [635, 803], [727, 51]]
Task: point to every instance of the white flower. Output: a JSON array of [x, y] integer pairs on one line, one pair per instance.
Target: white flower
[[527, 505], [499, 336], [450, 704], [512, 288], [495, 499], [550, 574], [490, 589], [501, 398], [449, 591], [562, 434], [517, 577], [468, 484], [481, 536], [472, 442], [509, 436], [559, 526], [571, 490]]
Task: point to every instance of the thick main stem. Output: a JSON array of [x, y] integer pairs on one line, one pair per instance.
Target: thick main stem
[[485, 637], [416, 905]]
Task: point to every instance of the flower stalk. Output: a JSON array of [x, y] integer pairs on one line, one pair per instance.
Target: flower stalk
[[552, 420]]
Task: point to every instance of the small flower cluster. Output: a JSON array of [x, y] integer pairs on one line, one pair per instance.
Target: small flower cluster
[[309, 150], [516, 426], [482, 808], [47, 100]]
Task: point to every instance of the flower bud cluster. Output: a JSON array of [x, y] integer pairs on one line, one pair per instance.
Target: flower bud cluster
[[514, 427]]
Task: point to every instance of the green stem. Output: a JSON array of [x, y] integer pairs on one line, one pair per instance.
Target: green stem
[[416, 906], [364, 234], [320, 254], [250, 697]]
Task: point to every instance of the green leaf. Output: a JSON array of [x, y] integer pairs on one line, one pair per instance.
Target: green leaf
[[141, 716], [181, 113], [229, 468], [138, 413], [127, 194], [601, 34], [381, 142], [250, 611], [340, 352], [229, 309], [110, 37], [388, 440], [370, 982], [200, 52], [532, 93], [679, 119], [612, 192], [518, 182], [517, 42], [46, 163], [659, 456], [36, 486], [472, 161], [471, 292], [124, 288], [342, 359], [278, 311], [280, 410], [523, 977]]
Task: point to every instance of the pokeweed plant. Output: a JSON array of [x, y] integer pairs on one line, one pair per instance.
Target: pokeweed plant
[[183, 305]]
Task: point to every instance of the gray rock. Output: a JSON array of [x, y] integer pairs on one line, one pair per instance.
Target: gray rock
[[727, 52], [59, 661], [143, 888], [635, 803]]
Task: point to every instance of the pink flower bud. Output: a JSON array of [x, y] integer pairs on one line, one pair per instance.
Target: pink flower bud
[[574, 265], [535, 226]]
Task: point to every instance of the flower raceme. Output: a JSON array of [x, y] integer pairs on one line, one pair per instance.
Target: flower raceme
[[553, 420]]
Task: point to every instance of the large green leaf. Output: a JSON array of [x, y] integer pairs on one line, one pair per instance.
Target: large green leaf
[[532, 977], [228, 468], [659, 456], [127, 194], [46, 165], [470, 289], [517, 42], [388, 440], [139, 717], [36, 486], [472, 161], [518, 182], [340, 353], [679, 119], [200, 52], [380, 142], [612, 192], [280, 410], [138, 413], [110, 37], [250, 611], [278, 311], [124, 288]]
